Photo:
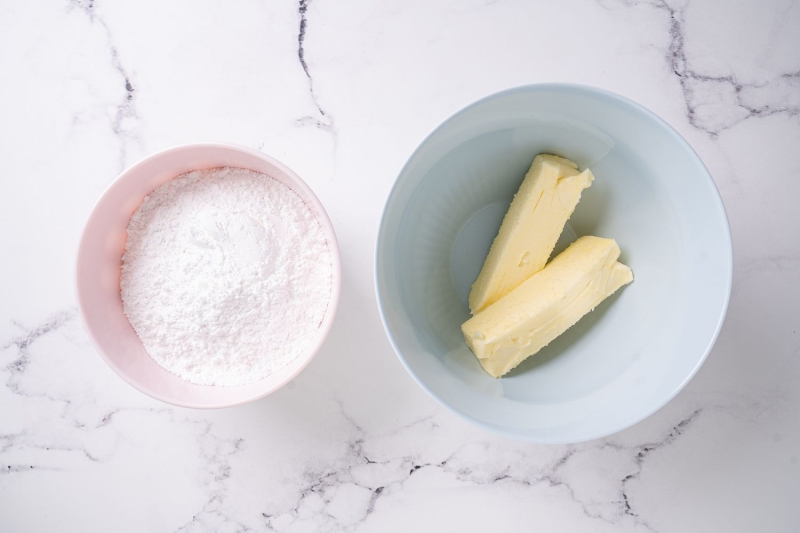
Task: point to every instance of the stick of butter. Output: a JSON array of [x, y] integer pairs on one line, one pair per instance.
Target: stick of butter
[[546, 305], [545, 200]]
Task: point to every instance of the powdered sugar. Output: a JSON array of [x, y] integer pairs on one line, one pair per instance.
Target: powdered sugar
[[226, 276]]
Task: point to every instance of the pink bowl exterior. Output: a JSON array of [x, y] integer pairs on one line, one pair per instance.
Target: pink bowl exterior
[[100, 259]]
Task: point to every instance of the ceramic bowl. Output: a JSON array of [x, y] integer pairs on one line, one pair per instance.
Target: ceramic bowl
[[652, 194], [98, 273]]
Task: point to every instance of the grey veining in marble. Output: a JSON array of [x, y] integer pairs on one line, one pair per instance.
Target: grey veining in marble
[[352, 444]]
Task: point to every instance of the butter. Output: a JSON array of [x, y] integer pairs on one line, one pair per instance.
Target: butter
[[546, 305], [545, 200]]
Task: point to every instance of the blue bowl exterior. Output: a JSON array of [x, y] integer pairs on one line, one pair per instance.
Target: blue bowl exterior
[[386, 271]]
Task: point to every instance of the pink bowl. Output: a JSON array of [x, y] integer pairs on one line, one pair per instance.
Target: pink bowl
[[100, 259]]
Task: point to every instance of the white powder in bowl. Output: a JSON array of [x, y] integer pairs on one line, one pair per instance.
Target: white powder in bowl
[[226, 276]]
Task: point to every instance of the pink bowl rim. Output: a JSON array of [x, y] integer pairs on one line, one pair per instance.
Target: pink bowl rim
[[323, 219]]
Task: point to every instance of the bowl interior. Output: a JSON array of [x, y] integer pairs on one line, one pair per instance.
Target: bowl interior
[[652, 194], [100, 258]]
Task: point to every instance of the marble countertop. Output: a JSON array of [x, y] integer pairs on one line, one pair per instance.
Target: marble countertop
[[342, 92]]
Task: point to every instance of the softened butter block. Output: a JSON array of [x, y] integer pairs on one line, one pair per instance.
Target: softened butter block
[[546, 305], [534, 221]]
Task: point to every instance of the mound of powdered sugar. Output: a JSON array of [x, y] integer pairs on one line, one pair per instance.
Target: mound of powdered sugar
[[226, 276]]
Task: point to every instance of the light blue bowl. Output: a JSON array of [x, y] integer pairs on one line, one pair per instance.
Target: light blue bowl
[[652, 194]]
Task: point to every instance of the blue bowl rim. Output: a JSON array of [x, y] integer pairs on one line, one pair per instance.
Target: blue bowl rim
[[573, 88]]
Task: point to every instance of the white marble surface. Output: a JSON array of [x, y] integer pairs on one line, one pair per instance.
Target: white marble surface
[[343, 92]]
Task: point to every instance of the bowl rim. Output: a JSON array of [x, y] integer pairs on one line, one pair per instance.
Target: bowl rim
[[573, 88], [322, 217]]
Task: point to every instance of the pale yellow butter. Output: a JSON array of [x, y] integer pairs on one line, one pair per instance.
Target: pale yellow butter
[[546, 305], [545, 200]]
